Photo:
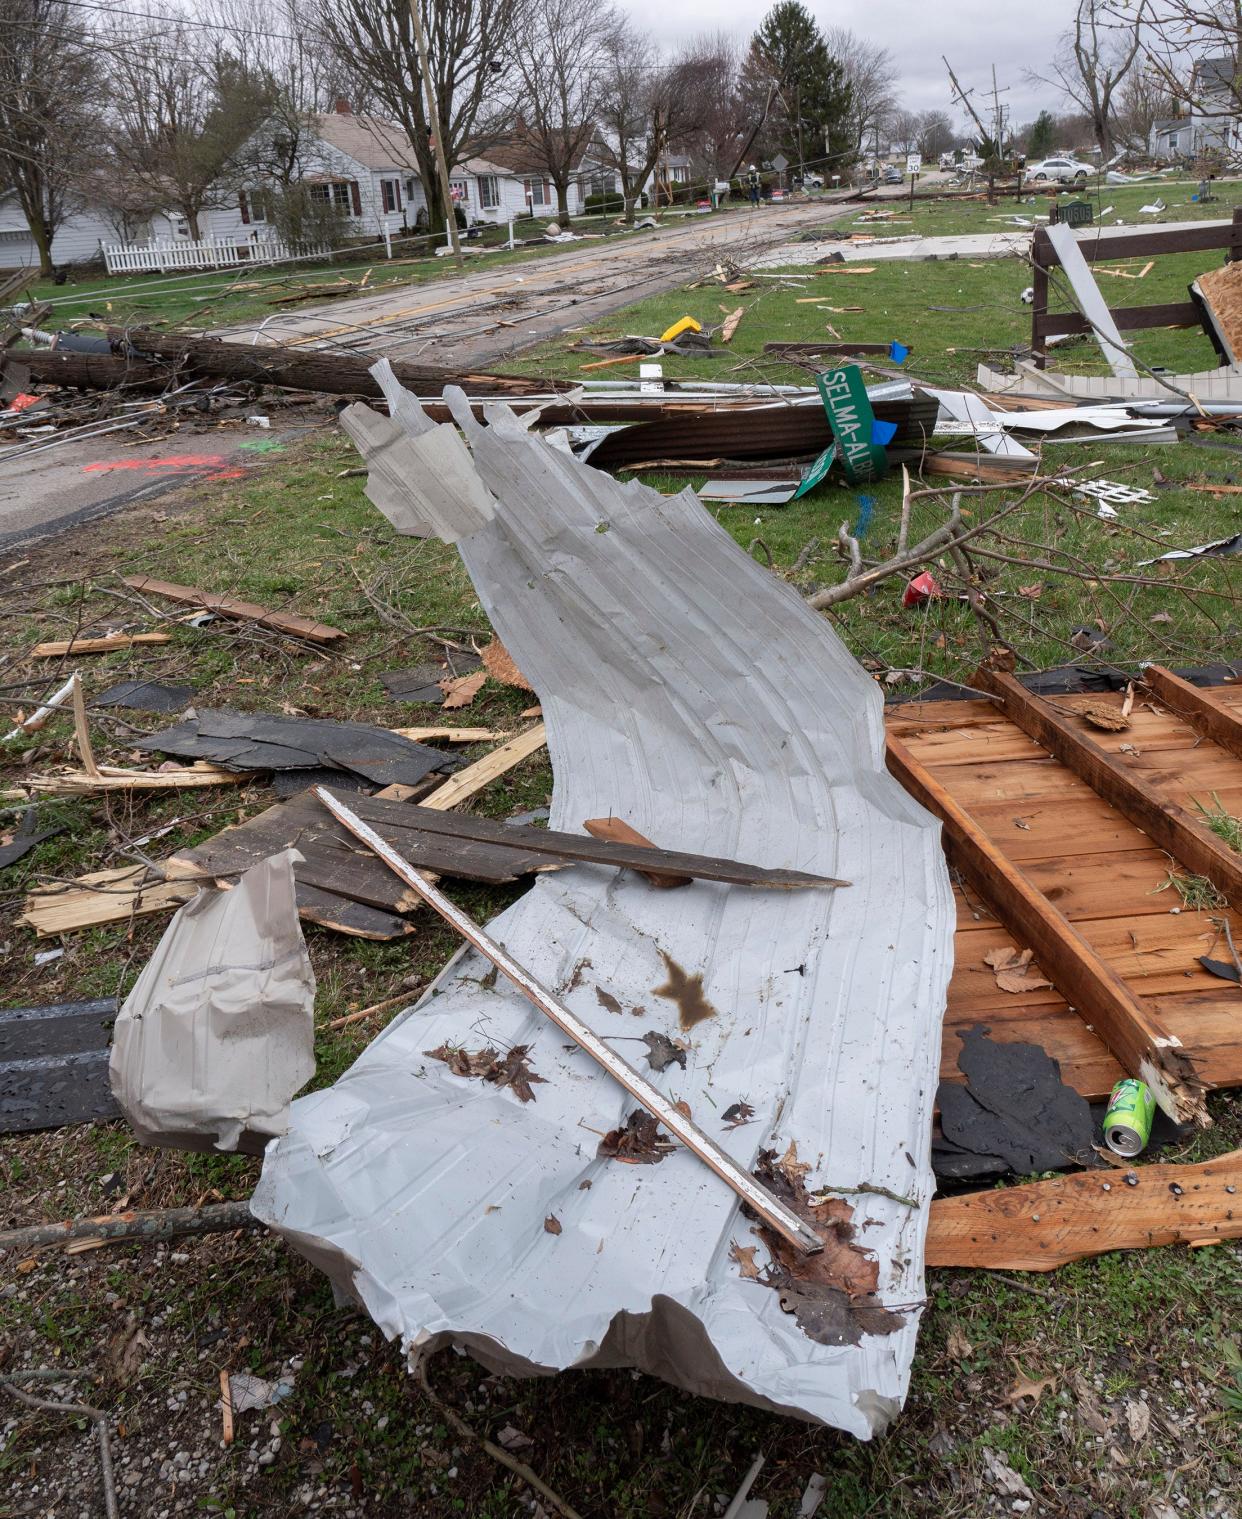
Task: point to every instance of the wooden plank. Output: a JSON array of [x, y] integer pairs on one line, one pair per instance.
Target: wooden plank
[[1045, 1224], [1197, 706], [474, 777], [241, 611], [769, 1208], [414, 829], [1167, 823], [1139, 1041], [448, 735], [617, 831], [112, 778], [1126, 318], [1109, 247], [103, 645], [102, 896]]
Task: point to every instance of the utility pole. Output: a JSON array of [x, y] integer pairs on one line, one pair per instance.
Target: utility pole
[[435, 127]]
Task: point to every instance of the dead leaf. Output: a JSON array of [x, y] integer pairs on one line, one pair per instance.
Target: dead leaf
[[638, 1141], [1138, 1419], [1089, 1410], [125, 1350], [1161, 617], [744, 1255], [1031, 592], [512, 1070], [738, 1114], [1101, 715], [1014, 971], [790, 1167], [683, 1107], [662, 1051], [958, 1346], [1027, 1387], [463, 690], [1021, 823], [608, 1002], [498, 663], [1004, 1478], [552, 1224], [513, 1439]]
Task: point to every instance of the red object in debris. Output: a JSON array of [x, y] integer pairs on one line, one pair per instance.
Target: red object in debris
[[20, 403], [920, 590]]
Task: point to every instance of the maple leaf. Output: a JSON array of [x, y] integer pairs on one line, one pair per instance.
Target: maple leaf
[[462, 691], [1025, 1386], [744, 1255], [686, 991], [790, 1166]]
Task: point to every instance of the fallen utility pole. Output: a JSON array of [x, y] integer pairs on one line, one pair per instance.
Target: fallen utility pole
[[770, 1209], [313, 369]]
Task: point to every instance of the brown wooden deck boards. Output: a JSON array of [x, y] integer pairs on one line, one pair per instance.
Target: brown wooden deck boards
[[1100, 871]]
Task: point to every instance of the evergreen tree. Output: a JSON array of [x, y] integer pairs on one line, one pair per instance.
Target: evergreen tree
[[811, 105], [1039, 143]]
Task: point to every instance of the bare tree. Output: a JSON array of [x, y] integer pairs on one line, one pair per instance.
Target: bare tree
[[903, 129], [1092, 60], [870, 73], [650, 104], [562, 55], [1142, 101], [1192, 50], [46, 76], [467, 44], [935, 133], [182, 107], [718, 140]]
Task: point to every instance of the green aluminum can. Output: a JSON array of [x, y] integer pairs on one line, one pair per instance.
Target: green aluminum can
[[1127, 1124]]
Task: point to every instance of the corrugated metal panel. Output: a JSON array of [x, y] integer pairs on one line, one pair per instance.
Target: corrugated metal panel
[[693, 694]]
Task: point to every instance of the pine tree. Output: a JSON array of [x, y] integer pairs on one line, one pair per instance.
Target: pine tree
[[811, 120]]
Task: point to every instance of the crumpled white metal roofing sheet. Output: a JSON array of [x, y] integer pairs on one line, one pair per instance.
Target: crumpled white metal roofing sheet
[[692, 693]]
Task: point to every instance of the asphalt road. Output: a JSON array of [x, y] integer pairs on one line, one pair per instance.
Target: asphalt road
[[460, 321], [474, 319]]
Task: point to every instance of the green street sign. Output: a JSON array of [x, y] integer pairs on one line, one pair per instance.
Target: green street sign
[[816, 472], [844, 394]]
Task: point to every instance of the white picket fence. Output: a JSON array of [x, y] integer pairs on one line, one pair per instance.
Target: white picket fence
[[211, 253]]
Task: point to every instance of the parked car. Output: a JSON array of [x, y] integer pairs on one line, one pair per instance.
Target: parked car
[[1066, 171], [947, 161], [891, 174]]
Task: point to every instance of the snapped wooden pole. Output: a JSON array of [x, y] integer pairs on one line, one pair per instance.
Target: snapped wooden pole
[[769, 1208]]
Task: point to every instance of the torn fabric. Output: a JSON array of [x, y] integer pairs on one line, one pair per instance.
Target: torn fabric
[[692, 694], [219, 1031]]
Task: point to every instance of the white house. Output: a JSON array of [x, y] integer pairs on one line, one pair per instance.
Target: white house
[[1211, 123], [77, 240]]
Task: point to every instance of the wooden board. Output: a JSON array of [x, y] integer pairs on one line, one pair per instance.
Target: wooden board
[[240, 611], [104, 645], [1066, 956], [1166, 823], [1203, 710], [474, 777], [102, 896], [1045, 1224]]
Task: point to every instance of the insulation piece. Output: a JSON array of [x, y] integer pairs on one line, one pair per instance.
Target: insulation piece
[[219, 1031], [692, 694]]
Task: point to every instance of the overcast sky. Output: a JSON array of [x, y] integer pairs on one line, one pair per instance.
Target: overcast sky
[[973, 34]]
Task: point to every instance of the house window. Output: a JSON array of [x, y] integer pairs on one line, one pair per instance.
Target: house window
[[538, 192], [460, 190], [409, 189], [1174, 139], [489, 192], [335, 195], [390, 193]]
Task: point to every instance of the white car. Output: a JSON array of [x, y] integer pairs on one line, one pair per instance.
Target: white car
[[1067, 171]]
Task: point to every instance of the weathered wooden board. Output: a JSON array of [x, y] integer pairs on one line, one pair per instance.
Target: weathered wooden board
[[1045, 1224]]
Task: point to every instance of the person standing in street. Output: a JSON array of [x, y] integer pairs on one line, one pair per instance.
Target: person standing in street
[[752, 184]]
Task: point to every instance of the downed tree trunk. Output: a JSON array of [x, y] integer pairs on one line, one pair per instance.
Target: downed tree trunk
[[314, 369]]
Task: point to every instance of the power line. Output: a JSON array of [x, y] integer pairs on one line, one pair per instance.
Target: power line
[[180, 20]]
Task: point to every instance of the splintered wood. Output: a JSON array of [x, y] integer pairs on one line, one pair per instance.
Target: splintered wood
[[1045, 1224]]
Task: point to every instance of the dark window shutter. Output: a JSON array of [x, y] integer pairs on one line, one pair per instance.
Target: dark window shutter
[[396, 188], [356, 196], [244, 207]]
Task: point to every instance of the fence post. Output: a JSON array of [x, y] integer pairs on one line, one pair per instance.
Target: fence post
[[387, 240], [1041, 256], [510, 232]]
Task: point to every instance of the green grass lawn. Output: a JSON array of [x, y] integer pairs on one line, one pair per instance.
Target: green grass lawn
[[940, 217], [1150, 1327]]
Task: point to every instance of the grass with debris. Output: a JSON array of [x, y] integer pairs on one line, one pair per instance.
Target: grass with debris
[[1108, 1386], [944, 216]]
